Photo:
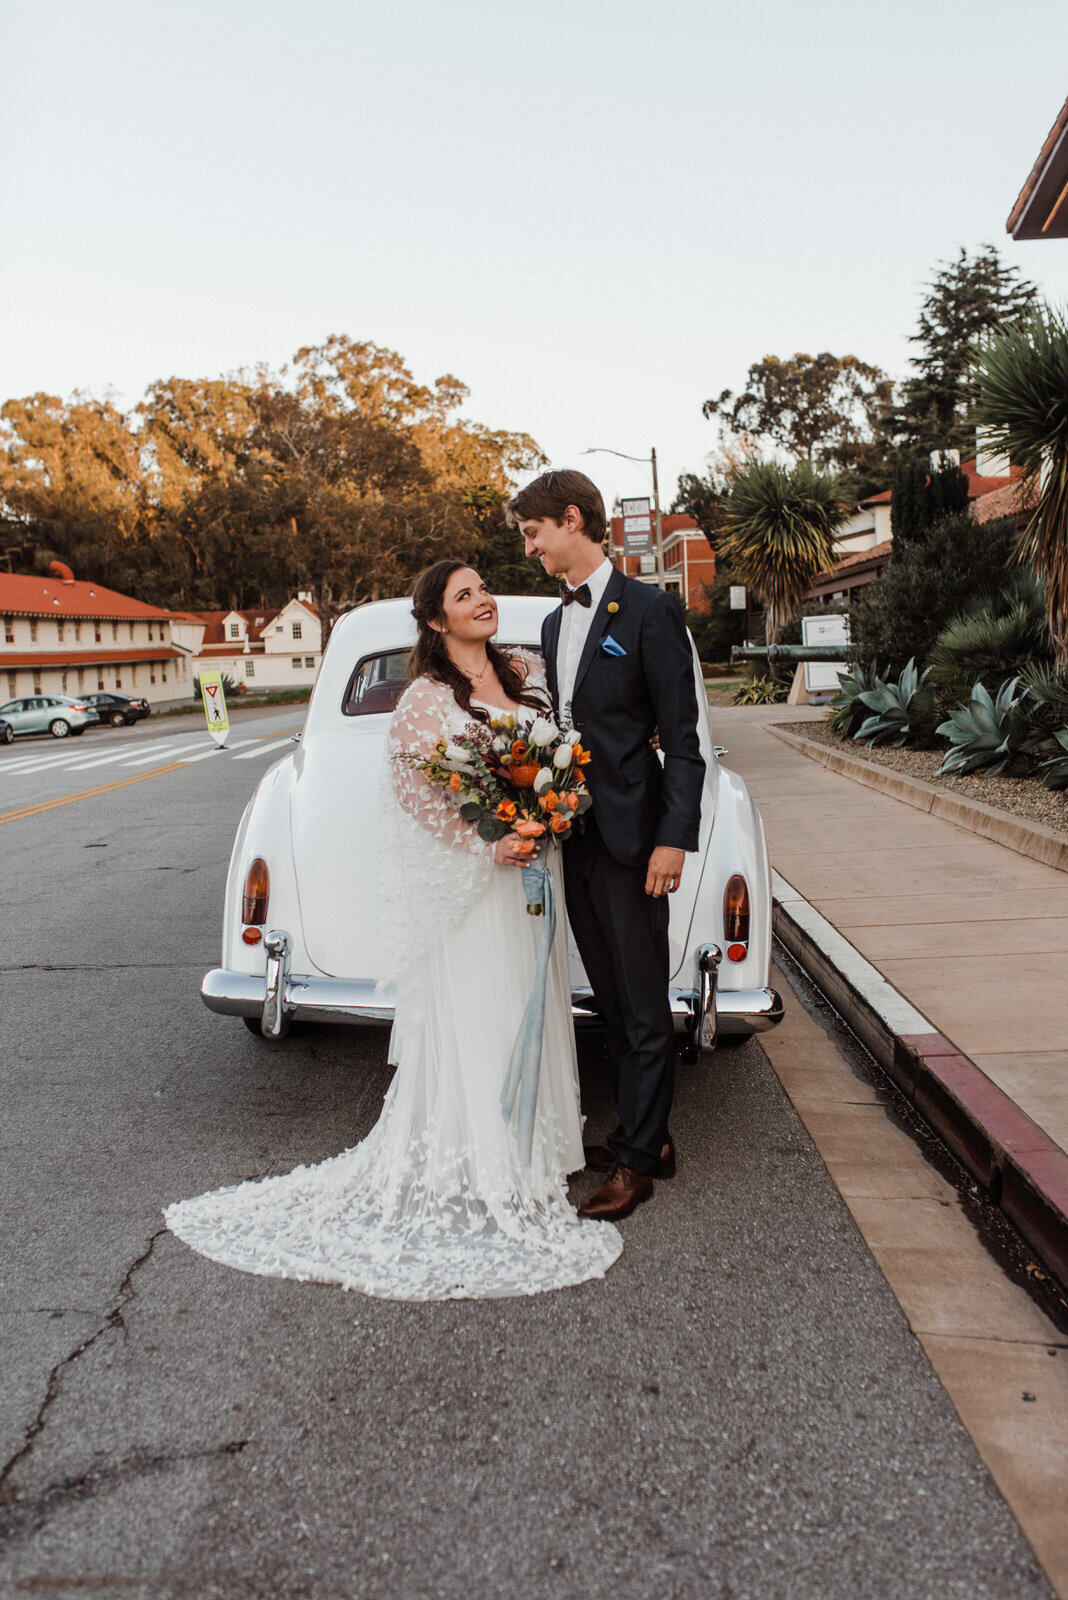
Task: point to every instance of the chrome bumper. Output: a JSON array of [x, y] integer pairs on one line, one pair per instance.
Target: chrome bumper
[[699, 1013]]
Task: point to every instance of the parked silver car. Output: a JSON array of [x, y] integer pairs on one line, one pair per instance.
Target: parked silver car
[[56, 714]]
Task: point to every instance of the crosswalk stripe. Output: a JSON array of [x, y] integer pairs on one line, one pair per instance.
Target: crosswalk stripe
[[264, 748], [214, 750], [123, 755]]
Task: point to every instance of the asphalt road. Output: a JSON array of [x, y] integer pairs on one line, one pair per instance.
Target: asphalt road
[[738, 1410]]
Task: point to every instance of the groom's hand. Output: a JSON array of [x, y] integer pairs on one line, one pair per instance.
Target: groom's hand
[[665, 871]]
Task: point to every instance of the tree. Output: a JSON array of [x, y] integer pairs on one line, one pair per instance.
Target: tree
[[919, 499], [702, 499], [822, 409], [1021, 382], [968, 299], [498, 552], [778, 535]]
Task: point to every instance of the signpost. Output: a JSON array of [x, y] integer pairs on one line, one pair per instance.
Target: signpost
[[737, 597], [214, 698], [637, 527]]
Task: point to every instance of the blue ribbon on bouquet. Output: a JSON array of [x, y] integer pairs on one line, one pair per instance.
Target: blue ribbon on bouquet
[[524, 1069]]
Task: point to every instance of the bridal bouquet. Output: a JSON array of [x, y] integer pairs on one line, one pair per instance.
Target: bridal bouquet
[[514, 775]]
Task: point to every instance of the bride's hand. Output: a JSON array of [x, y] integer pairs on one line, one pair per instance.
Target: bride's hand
[[511, 851]]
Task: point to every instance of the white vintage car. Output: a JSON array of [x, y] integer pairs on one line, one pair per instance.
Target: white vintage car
[[300, 915]]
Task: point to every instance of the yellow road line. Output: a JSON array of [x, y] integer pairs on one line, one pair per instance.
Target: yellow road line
[[87, 794]]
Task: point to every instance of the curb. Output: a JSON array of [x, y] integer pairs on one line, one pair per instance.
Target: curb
[[1032, 839], [1025, 1173]]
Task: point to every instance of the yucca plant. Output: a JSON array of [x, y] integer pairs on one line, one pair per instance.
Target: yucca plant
[[1054, 769], [847, 709], [989, 735], [891, 708], [992, 639], [778, 533], [1022, 399], [763, 691]]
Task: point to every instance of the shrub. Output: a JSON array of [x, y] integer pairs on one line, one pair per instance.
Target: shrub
[[927, 584], [893, 708], [992, 639], [763, 691], [1054, 769], [989, 735]]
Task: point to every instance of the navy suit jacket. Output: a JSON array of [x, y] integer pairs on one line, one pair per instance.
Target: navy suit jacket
[[617, 704]]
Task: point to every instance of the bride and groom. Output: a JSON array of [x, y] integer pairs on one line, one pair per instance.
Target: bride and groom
[[436, 1202]]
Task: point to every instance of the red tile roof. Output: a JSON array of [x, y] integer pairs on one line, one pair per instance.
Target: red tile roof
[[877, 552], [83, 658], [1036, 171], [976, 485], [1011, 500], [258, 619], [24, 596]]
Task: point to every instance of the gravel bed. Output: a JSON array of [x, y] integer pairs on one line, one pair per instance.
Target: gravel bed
[[1024, 797]]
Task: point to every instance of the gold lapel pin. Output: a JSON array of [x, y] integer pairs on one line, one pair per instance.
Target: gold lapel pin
[[613, 607]]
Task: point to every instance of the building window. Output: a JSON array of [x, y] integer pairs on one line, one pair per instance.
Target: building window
[[37, 683], [9, 630], [164, 672], [278, 628], [235, 630], [150, 639], [77, 631], [118, 682], [12, 680], [309, 661], [298, 630], [33, 631], [99, 683], [152, 675], [81, 679], [97, 635], [59, 631], [131, 626], [250, 667], [296, 661], [64, 683], [115, 632]]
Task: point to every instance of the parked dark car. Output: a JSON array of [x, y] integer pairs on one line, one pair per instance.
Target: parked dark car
[[117, 708], [7, 732]]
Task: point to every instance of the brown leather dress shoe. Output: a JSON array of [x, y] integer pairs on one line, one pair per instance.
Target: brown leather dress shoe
[[617, 1196], [599, 1158]]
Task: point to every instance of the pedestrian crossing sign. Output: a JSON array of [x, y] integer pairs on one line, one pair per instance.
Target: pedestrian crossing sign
[[214, 697]]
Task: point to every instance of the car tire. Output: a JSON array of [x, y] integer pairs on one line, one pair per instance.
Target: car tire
[[116, 719], [60, 728], [8, 735]]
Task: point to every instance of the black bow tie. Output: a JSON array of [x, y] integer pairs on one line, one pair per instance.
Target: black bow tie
[[581, 594]]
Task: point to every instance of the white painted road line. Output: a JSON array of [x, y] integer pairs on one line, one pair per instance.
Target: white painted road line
[[168, 753], [120, 755], [214, 750], [38, 763], [263, 749]]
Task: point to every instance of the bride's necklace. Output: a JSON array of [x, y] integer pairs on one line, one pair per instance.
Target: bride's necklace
[[477, 677]]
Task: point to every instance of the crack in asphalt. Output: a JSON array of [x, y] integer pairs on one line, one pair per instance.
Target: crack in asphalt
[[24, 1518], [112, 1319], [104, 966]]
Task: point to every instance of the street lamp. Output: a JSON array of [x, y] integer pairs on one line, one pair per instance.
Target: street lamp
[[649, 460]]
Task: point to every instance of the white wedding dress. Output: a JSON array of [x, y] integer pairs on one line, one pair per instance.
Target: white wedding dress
[[435, 1203]]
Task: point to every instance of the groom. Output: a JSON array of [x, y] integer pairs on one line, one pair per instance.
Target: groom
[[620, 669]]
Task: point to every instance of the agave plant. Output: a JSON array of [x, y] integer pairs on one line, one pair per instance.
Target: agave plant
[[765, 691], [890, 706], [778, 533], [1022, 398], [847, 708], [1054, 769], [989, 735]]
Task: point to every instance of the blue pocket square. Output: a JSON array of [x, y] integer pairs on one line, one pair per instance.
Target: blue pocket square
[[610, 647]]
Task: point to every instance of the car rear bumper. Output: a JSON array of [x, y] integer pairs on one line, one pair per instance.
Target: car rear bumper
[[282, 997]]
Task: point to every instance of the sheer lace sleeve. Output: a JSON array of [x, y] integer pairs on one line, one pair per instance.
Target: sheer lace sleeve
[[431, 863], [533, 668]]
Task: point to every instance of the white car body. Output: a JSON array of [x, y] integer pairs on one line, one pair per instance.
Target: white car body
[[312, 820]]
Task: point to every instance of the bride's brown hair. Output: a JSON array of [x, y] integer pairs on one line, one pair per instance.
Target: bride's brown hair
[[430, 658]]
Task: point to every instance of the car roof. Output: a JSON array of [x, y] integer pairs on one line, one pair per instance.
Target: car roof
[[384, 625]]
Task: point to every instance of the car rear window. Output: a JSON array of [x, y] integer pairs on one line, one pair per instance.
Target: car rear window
[[377, 684]]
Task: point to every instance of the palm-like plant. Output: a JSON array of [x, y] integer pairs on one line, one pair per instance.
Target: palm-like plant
[[1022, 399], [778, 533], [992, 639]]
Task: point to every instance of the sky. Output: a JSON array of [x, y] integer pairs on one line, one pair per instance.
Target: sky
[[595, 213]]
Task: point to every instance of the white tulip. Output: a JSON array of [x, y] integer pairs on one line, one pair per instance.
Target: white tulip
[[543, 781], [572, 736], [454, 756], [544, 731], [562, 757]]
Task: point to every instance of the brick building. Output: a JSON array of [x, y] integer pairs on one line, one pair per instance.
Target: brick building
[[689, 560]]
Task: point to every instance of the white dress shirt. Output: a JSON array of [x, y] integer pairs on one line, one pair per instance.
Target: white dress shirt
[[574, 631]]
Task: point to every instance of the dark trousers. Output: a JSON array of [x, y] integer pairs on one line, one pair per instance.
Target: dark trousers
[[622, 937]]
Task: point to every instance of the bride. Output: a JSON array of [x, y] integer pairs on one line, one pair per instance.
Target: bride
[[436, 1203]]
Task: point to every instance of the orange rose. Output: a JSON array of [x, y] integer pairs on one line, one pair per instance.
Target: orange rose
[[456, 783], [560, 823], [523, 777], [583, 760], [519, 750], [549, 800], [529, 829], [571, 800], [506, 811]]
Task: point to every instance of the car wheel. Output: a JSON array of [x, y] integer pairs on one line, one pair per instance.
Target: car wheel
[[7, 734], [116, 719], [59, 729]]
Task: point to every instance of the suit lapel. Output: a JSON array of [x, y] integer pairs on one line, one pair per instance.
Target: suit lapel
[[552, 644], [612, 591]]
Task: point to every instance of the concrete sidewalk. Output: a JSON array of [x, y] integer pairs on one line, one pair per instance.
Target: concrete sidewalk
[[973, 934]]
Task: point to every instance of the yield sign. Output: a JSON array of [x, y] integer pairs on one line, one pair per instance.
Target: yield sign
[[214, 697]]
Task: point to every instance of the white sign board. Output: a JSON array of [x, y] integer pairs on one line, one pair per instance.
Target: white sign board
[[821, 677], [637, 527], [636, 508], [737, 597]]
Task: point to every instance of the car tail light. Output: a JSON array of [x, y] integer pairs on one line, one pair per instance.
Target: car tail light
[[252, 935], [257, 889], [736, 918]]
